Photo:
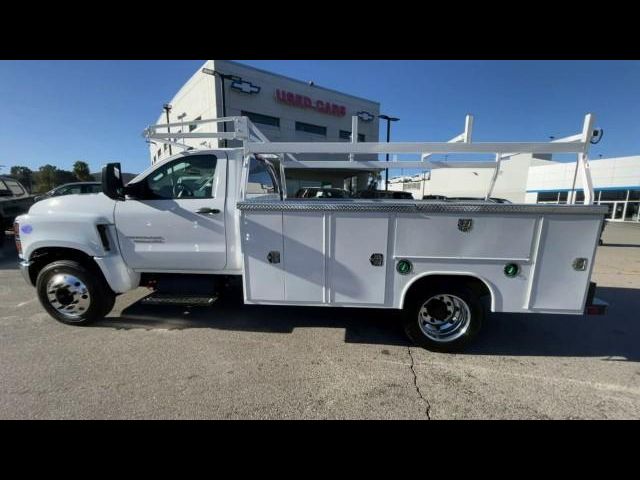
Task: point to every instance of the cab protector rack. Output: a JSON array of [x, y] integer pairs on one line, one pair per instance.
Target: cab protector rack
[[254, 142]]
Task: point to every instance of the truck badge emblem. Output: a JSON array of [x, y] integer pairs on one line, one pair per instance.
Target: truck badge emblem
[[365, 116], [245, 87], [465, 224]]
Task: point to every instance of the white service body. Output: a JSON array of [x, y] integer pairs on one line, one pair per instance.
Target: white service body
[[326, 249]]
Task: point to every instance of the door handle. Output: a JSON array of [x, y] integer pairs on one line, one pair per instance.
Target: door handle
[[273, 256], [207, 211]]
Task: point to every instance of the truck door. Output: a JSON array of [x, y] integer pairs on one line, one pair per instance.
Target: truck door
[[175, 218]]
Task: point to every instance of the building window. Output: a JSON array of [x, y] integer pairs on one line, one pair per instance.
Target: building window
[[193, 126], [346, 135], [548, 197], [613, 195], [309, 128], [262, 119], [159, 153]]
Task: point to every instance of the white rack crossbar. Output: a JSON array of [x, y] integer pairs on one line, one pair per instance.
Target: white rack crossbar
[[254, 142]]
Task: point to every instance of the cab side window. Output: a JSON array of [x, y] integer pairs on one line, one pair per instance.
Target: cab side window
[[187, 177], [260, 181]]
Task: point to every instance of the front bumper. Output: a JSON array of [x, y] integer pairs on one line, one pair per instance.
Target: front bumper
[[24, 270]]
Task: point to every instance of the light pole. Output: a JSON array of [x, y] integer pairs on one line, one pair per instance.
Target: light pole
[[167, 108], [223, 77], [389, 120]]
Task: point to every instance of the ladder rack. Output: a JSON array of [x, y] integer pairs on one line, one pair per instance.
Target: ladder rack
[[255, 142]]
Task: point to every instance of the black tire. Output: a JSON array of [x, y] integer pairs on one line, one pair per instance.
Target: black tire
[[442, 293], [101, 296], [110, 301]]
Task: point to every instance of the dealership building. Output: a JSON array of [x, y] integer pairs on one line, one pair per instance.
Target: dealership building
[[283, 108], [526, 178]]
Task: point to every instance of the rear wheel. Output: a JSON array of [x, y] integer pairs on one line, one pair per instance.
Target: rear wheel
[[72, 293], [443, 318]]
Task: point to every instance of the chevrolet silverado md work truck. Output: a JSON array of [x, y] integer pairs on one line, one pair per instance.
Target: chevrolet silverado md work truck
[[193, 223]]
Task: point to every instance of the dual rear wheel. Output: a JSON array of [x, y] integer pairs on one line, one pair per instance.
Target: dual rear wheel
[[443, 318]]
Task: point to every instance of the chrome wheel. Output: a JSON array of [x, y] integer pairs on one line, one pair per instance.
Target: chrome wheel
[[68, 295], [444, 318]]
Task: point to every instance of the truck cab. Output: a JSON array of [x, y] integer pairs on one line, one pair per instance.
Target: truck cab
[[177, 218]]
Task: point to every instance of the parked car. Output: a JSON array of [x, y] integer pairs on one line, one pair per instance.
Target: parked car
[[71, 189], [320, 192], [434, 197], [384, 194], [14, 200], [477, 199]]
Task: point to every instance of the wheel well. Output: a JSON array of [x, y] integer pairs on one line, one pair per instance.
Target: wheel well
[[478, 286], [46, 255]]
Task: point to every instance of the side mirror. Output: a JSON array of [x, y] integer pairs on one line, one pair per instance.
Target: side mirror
[[112, 185], [6, 193], [135, 190]]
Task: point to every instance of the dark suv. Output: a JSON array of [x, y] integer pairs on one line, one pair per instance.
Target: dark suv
[[319, 192], [14, 200], [394, 194]]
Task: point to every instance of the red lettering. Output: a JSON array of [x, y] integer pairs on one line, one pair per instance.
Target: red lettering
[[302, 101]]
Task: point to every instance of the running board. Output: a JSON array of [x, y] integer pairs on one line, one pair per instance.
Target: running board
[[186, 300]]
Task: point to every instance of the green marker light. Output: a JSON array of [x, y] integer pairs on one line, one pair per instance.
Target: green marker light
[[511, 270], [404, 267]]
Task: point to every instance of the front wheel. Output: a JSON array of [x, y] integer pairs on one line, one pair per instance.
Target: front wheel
[[73, 294], [443, 318]]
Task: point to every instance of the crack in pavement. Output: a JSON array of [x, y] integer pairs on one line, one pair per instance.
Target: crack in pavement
[[415, 384]]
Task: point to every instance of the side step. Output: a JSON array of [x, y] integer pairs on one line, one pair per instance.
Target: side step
[[187, 300]]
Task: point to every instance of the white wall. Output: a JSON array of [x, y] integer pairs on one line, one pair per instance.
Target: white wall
[[605, 173], [474, 182]]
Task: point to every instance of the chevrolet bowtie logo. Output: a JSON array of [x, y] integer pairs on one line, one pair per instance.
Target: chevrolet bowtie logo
[[365, 116], [245, 87]]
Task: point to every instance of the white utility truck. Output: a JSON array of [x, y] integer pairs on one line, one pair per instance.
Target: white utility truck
[[192, 224]]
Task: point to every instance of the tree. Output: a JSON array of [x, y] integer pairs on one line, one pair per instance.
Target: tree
[[81, 171], [45, 178], [64, 176], [24, 175]]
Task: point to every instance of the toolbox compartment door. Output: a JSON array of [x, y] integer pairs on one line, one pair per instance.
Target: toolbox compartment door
[[262, 247]]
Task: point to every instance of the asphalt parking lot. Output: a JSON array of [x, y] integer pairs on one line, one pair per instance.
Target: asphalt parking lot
[[237, 361]]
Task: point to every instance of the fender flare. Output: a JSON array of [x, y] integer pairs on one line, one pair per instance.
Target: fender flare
[[490, 287]]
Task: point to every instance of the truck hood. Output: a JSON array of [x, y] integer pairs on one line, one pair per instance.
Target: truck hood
[[97, 206]]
